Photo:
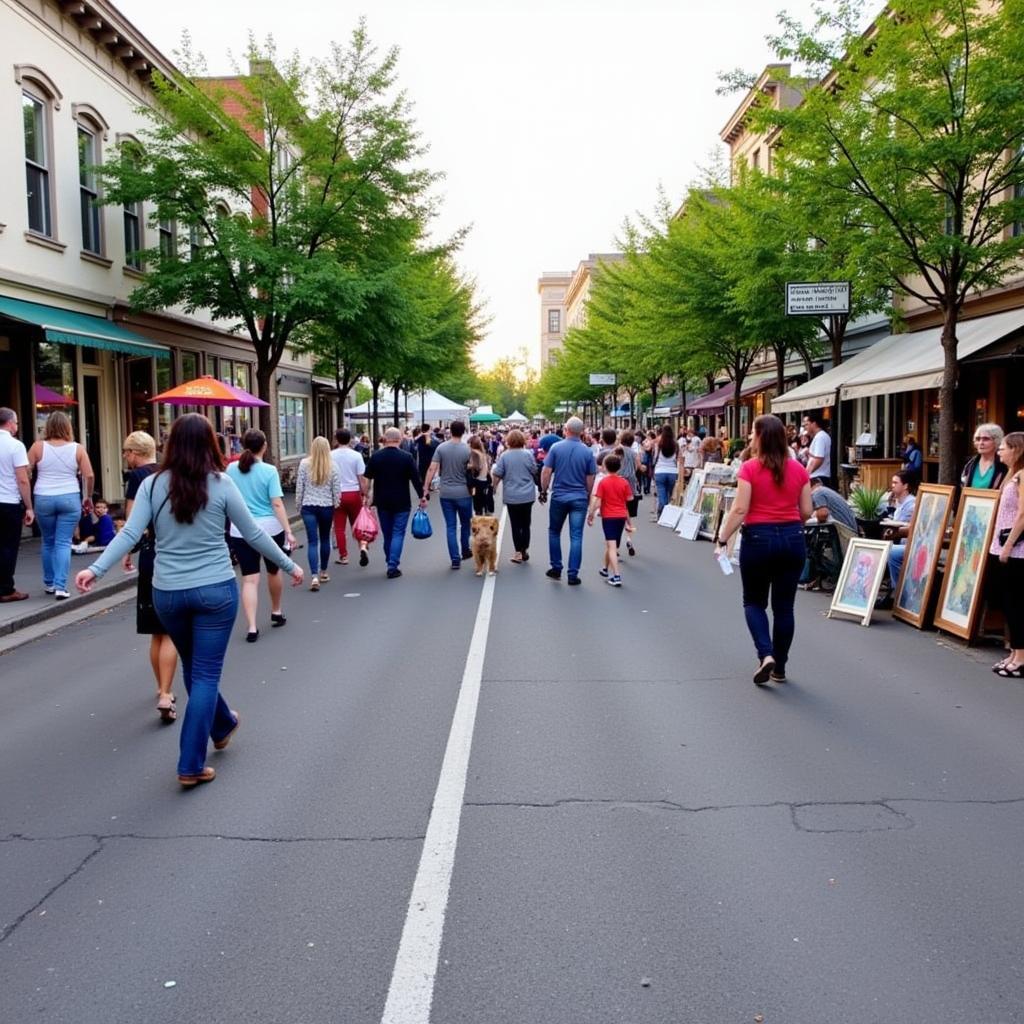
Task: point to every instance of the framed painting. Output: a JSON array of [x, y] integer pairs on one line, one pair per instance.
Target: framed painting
[[860, 578], [709, 506], [923, 547], [963, 582], [670, 516], [693, 486]]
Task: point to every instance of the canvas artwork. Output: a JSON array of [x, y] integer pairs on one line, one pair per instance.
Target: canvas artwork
[[720, 473], [962, 585], [693, 486], [708, 506], [860, 579], [924, 545]]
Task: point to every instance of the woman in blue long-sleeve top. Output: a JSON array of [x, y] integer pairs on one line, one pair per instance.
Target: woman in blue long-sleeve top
[[195, 591]]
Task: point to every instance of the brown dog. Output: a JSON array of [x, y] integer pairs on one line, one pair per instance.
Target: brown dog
[[484, 543]]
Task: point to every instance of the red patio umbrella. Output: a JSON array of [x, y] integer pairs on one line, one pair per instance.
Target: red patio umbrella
[[209, 391], [47, 396]]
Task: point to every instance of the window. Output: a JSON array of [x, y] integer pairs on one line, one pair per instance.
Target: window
[[35, 117], [949, 224], [235, 422], [168, 240], [291, 418], [195, 242], [133, 235], [88, 158], [1018, 194], [554, 321], [755, 159]]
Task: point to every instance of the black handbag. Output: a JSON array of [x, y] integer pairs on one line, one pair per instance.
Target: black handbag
[[1004, 535]]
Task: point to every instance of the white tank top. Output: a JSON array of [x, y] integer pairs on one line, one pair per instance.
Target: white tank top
[[57, 470], [666, 463]]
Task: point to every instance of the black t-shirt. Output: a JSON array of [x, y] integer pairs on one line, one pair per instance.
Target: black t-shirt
[[134, 479], [392, 471], [425, 445]]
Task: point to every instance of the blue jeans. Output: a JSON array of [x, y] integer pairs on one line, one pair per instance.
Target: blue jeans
[[771, 560], [199, 621], [896, 555], [576, 510], [392, 532], [666, 484], [318, 520], [457, 511], [58, 515]]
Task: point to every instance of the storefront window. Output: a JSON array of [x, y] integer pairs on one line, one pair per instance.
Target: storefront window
[[164, 413], [291, 414], [140, 391], [189, 372], [55, 371], [235, 422], [933, 425]]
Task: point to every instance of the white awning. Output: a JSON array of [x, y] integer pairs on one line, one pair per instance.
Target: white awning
[[916, 363]]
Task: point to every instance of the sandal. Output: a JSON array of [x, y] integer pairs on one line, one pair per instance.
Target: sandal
[[517, 558], [206, 775], [1011, 671], [168, 712]]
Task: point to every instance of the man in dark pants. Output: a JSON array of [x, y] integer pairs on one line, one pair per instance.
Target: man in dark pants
[[391, 471], [15, 502]]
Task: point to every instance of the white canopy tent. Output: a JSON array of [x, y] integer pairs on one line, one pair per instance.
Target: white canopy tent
[[427, 405], [516, 417]]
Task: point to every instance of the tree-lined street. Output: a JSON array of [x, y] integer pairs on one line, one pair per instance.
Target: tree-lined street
[[645, 836]]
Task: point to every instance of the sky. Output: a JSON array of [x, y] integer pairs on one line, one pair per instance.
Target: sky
[[551, 120]]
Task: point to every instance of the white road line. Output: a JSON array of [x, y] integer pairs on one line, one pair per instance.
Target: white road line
[[412, 982]]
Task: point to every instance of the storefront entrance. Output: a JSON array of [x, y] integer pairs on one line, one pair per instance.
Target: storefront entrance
[[91, 423]]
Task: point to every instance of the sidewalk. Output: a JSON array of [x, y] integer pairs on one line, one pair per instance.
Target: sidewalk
[[28, 579]]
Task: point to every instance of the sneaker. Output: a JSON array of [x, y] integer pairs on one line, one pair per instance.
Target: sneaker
[[778, 675], [467, 555], [614, 581], [574, 581], [49, 590], [393, 574], [603, 572], [364, 559], [324, 578], [314, 583], [61, 595], [554, 574], [456, 563]]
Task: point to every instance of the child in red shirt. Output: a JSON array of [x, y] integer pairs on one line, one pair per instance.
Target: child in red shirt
[[611, 494]]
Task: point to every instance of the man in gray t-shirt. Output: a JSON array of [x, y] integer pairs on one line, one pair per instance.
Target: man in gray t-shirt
[[449, 464], [831, 504]]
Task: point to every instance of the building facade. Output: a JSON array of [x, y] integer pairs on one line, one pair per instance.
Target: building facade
[[551, 287], [76, 75]]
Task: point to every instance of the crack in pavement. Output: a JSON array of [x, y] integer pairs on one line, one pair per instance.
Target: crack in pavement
[[101, 841]]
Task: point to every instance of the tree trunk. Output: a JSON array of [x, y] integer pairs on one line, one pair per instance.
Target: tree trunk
[[780, 368], [267, 420], [375, 385], [654, 398], [947, 391], [395, 416], [632, 407], [739, 375]]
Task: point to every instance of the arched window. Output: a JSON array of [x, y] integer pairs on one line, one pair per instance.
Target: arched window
[[92, 129], [39, 98], [134, 241]]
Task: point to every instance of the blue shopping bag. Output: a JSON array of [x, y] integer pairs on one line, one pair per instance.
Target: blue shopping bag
[[421, 528]]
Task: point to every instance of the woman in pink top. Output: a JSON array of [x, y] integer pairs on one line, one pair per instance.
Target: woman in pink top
[[773, 498], [1008, 545]]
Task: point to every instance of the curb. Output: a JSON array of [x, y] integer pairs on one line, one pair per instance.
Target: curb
[[56, 610]]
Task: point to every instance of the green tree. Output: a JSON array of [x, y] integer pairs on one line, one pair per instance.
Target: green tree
[[915, 133], [321, 155]]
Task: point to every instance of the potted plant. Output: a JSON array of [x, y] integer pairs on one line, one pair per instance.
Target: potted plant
[[868, 508]]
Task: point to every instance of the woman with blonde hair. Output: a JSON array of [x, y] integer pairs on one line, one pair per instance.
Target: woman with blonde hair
[[479, 471], [63, 493], [317, 493], [1008, 547], [139, 451]]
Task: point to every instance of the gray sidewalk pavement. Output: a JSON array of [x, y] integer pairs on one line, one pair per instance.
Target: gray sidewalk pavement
[[28, 578]]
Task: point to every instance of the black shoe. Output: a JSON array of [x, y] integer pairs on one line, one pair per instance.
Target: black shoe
[[393, 574], [764, 670], [554, 574], [884, 603], [364, 559], [573, 581], [251, 638], [467, 555], [277, 619], [456, 563], [778, 675], [526, 556]]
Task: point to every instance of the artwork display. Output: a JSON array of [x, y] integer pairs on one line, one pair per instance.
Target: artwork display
[[689, 524], [670, 516], [860, 578], [923, 547], [720, 473], [693, 486], [963, 583], [708, 507]]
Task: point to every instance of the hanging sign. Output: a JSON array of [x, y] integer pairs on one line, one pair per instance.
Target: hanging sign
[[602, 380], [824, 298]]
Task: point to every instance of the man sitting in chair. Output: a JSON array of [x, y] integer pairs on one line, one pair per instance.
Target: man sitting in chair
[[829, 530], [902, 488]]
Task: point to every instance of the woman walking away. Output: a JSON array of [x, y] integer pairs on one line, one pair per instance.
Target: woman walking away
[[773, 498], [666, 466], [260, 485], [63, 493], [317, 493], [517, 468], [479, 471], [139, 451], [194, 587], [1008, 545]]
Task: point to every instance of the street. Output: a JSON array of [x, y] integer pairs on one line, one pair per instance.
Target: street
[[644, 835]]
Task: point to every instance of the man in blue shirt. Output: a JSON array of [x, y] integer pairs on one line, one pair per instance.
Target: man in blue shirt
[[573, 467]]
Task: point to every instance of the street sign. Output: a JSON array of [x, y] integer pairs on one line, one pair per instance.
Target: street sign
[[602, 380], [824, 298]]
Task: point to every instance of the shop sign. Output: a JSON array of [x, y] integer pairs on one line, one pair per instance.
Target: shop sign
[[602, 380], [823, 298]]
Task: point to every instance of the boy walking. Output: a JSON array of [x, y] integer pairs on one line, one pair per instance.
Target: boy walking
[[612, 495]]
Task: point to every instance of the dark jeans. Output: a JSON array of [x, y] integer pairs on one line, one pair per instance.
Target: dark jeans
[[771, 561], [519, 517], [392, 532], [483, 498], [318, 520], [199, 621], [1011, 591], [457, 513], [576, 511], [11, 518]]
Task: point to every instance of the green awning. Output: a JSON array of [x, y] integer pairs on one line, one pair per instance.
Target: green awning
[[67, 328]]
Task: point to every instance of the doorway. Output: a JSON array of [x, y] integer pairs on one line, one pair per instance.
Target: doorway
[[91, 424]]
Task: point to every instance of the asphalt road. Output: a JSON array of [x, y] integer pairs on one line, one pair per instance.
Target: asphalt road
[[645, 836]]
